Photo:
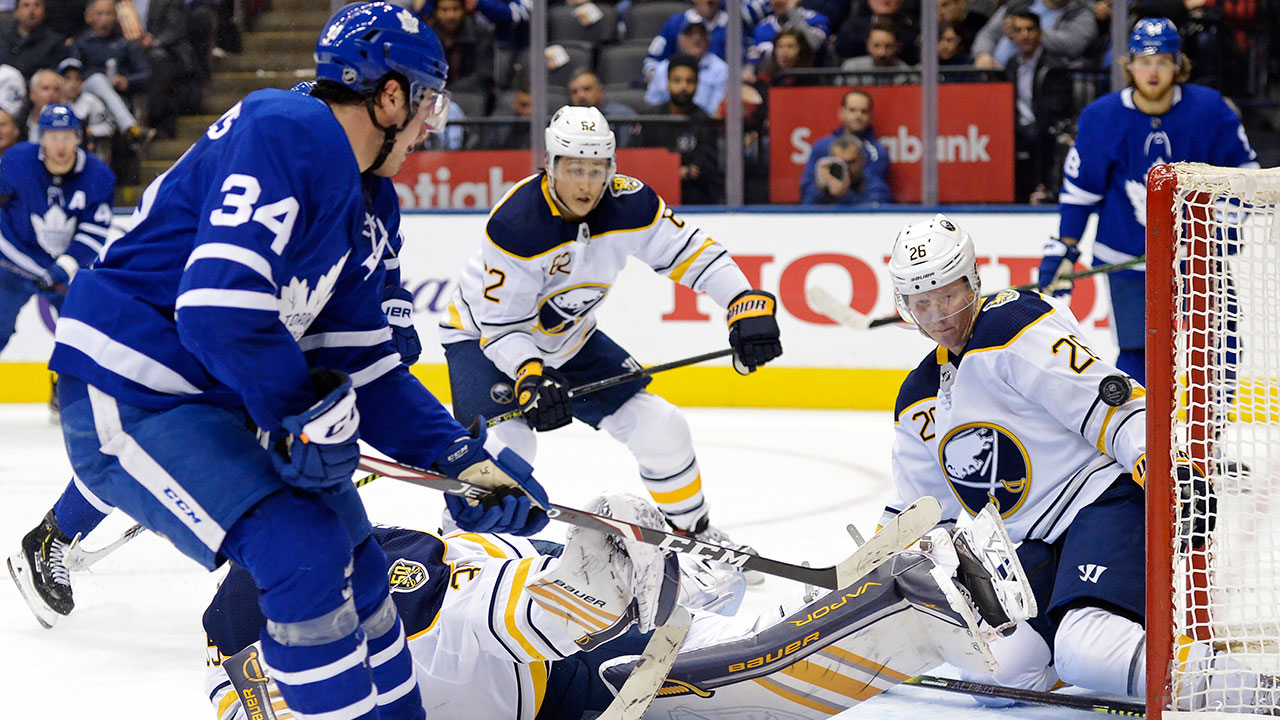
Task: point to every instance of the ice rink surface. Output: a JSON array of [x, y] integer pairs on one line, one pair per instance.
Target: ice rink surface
[[784, 481]]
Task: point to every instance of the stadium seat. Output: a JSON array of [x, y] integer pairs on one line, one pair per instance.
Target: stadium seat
[[629, 96], [645, 19], [562, 25], [621, 64], [580, 55], [472, 103]]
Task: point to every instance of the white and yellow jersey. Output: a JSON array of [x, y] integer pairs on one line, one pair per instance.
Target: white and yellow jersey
[[533, 288], [1015, 420]]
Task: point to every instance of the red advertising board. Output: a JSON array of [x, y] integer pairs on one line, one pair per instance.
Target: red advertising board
[[975, 138], [476, 179]]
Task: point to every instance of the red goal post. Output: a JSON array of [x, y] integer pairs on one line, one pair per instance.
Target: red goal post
[[1213, 381]]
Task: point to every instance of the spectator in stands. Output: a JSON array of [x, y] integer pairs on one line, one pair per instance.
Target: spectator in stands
[[97, 124], [174, 84], [1042, 98], [45, 87], [514, 135], [841, 177], [788, 14], [13, 91], [468, 46], [1068, 28], [30, 44], [713, 72], [709, 13], [65, 17], [965, 21], [586, 90], [951, 46], [883, 46], [855, 121], [701, 174], [851, 40], [103, 48], [790, 51], [10, 133]]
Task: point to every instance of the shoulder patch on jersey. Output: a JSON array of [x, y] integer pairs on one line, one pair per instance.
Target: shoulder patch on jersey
[[406, 575], [921, 384], [1005, 316], [625, 212], [625, 185]]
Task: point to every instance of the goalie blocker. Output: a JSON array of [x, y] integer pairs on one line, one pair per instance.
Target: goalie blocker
[[942, 601]]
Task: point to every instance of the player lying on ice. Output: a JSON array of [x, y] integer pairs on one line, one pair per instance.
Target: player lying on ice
[[493, 634], [1008, 410]]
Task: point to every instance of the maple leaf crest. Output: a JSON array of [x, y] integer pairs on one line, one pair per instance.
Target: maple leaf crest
[[54, 230], [300, 304]]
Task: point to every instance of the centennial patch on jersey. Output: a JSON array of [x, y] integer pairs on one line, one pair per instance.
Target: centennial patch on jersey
[[1003, 318], [558, 313], [406, 575], [985, 463], [625, 185], [1002, 298]]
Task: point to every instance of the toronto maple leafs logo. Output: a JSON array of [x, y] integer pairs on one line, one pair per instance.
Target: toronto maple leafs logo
[[53, 230], [408, 22], [376, 233], [300, 304], [331, 34]]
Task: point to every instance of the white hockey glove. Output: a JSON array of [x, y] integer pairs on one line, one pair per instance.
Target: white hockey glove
[[604, 583]]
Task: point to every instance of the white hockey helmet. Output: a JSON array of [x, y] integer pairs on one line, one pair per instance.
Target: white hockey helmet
[[580, 132], [928, 255]]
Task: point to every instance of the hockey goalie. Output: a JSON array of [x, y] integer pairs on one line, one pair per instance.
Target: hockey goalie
[[504, 627]]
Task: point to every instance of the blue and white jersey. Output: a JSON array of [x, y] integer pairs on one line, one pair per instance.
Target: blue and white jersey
[[1117, 144], [380, 194], [767, 29], [43, 215], [253, 259]]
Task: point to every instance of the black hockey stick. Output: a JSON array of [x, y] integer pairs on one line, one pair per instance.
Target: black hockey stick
[[903, 530], [599, 385], [1036, 697], [826, 303], [245, 671]]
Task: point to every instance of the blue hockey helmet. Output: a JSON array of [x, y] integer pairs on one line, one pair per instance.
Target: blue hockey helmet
[[303, 87], [1155, 36], [58, 116], [361, 43]]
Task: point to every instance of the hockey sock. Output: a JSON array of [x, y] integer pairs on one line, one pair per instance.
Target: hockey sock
[[389, 658], [318, 677], [1100, 650], [658, 435], [78, 510]]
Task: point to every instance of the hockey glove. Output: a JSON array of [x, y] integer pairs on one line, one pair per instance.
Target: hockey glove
[[511, 509], [397, 305], [1059, 260], [320, 450], [542, 396], [61, 273], [1198, 504], [753, 330]]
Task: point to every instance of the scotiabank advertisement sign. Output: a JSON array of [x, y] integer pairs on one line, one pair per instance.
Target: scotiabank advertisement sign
[[975, 138], [477, 179]]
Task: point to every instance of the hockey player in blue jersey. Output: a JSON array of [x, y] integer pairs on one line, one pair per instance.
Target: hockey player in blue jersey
[[1157, 119], [222, 358]]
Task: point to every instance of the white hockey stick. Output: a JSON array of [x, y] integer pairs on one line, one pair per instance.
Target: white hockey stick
[[77, 558], [646, 679]]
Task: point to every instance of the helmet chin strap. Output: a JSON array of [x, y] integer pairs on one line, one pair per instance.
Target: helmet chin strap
[[388, 132]]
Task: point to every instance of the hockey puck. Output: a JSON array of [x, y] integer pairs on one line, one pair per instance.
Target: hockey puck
[[1115, 390]]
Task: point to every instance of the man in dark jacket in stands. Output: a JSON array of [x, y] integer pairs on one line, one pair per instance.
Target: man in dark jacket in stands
[[697, 141], [30, 45]]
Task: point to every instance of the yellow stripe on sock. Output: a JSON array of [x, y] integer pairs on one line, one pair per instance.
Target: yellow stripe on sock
[[680, 494]]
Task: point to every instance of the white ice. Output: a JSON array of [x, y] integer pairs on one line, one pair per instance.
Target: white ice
[[786, 482]]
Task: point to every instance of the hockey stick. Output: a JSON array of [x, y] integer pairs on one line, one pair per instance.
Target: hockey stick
[[599, 385], [826, 303], [905, 529], [77, 558], [647, 677], [244, 669], [1036, 697]]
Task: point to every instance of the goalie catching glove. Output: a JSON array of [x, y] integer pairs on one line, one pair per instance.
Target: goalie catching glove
[[753, 330], [1059, 260], [542, 396], [518, 503], [319, 450], [603, 583]]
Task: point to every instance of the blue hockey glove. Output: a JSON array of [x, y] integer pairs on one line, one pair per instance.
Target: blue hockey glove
[[510, 508], [61, 273], [542, 396], [1059, 260], [397, 305], [753, 330], [320, 451]]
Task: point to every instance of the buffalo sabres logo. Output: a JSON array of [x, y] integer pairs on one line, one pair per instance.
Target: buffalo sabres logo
[[501, 393], [406, 575], [558, 313], [985, 463]]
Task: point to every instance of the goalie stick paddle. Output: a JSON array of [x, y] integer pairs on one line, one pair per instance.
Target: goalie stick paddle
[[902, 531], [647, 677], [1035, 697], [244, 669], [599, 385], [826, 303]]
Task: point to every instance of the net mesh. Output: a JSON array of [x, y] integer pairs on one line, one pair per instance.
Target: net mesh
[[1226, 418]]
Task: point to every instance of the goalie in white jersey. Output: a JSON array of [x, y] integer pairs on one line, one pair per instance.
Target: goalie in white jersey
[[1009, 410], [521, 328]]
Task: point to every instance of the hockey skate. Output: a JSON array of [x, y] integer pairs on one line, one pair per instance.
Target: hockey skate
[[38, 571]]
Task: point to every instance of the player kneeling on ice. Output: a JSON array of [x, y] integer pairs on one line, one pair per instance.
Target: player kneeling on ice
[[1013, 408], [574, 620], [521, 329]]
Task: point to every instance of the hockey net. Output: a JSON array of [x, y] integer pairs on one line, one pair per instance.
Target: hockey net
[[1213, 376]]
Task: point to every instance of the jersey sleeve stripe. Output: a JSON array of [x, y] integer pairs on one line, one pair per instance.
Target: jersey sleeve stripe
[[89, 242], [237, 299], [368, 374], [1073, 194], [232, 253], [1102, 433], [23, 261], [678, 272], [93, 228], [361, 338], [513, 602], [491, 549], [493, 612], [121, 359], [713, 262]]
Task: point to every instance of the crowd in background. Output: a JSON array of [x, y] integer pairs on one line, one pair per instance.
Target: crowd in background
[[652, 58]]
